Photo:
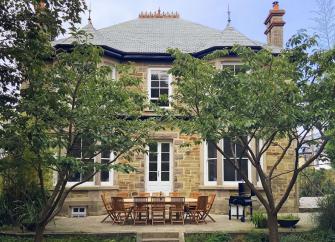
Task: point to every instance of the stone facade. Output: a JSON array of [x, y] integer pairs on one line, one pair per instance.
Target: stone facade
[[188, 161]]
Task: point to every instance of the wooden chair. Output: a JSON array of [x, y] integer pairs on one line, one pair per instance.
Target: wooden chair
[[197, 214], [177, 210], [144, 194], [158, 210], [157, 194], [141, 207], [109, 209], [122, 194], [120, 212], [175, 194], [195, 195], [209, 206]]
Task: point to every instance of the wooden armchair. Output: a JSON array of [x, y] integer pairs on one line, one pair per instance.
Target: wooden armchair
[[177, 210], [141, 207], [120, 212], [122, 194], [158, 210]]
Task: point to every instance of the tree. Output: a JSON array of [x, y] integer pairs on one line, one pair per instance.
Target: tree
[[26, 28], [274, 103], [324, 20], [66, 105]]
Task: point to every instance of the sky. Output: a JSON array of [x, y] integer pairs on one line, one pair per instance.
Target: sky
[[247, 15]]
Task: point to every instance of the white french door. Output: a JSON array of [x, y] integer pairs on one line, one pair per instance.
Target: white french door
[[159, 168]]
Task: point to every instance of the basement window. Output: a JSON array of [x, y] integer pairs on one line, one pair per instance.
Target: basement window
[[78, 212]]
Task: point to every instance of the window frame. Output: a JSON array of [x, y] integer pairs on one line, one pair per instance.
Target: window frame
[[170, 90], [223, 64], [206, 180]]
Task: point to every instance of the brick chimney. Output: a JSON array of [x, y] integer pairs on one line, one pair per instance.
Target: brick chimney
[[275, 26]]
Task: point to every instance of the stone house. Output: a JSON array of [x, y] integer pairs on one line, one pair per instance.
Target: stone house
[[169, 167]]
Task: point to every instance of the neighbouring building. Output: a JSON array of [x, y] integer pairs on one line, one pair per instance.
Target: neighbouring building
[[169, 166]]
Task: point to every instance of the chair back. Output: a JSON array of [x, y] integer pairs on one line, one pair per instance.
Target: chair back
[[157, 194], [118, 203], [122, 194], [140, 202], [178, 202], [175, 194], [158, 202], [144, 194], [107, 204], [211, 199], [202, 203], [195, 195]]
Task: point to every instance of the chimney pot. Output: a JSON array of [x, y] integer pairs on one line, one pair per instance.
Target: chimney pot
[[275, 5]]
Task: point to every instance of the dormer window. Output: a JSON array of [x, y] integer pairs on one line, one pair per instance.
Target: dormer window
[[159, 86]]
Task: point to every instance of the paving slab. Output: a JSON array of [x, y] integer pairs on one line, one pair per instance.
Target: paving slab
[[93, 225]]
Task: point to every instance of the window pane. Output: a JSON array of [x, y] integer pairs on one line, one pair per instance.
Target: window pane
[[164, 91], [164, 84], [154, 76], [212, 152], [164, 75], [75, 177], [155, 84], [155, 93], [243, 163], [212, 167], [165, 147], [228, 147], [152, 176], [240, 148], [153, 147], [165, 157], [165, 176], [76, 148], [105, 154], [153, 157], [104, 173], [229, 171], [165, 166], [152, 166], [87, 150]]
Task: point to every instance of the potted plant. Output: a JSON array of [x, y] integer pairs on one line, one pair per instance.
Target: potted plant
[[288, 221], [259, 219]]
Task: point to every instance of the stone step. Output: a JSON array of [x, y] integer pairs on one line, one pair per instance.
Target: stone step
[[167, 235]]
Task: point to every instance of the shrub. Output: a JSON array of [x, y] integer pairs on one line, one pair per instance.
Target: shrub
[[318, 183], [325, 216], [259, 219], [314, 236], [256, 237], [208, 237]]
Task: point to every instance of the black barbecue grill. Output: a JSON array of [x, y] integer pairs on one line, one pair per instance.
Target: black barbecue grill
[[243, 199]]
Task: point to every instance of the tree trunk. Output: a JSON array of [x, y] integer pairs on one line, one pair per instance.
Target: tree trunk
[[273, 227], [39, 232]]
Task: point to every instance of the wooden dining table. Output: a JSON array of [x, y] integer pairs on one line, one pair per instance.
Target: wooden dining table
[[167, 200]]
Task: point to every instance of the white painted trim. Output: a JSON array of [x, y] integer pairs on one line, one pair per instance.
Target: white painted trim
[[170, 90], [146, 165]]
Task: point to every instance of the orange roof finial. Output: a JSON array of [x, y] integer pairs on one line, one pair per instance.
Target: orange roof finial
[[159, 14], [275, 5]]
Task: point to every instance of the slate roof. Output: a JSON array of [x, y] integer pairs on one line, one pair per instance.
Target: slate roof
[[156, 35]]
